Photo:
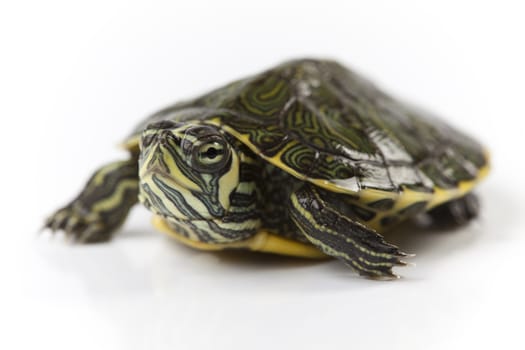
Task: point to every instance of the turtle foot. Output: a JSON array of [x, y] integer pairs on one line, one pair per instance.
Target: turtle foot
[[77, 226]]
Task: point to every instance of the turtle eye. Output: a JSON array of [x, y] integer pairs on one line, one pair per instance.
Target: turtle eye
[[210, 156], [211, 153]]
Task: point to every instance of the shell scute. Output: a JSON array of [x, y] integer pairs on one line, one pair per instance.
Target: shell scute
[[325, 124]]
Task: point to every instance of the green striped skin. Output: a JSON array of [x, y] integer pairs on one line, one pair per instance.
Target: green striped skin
[[209, 188], [371, 161], [200, 181], [307, 150], [102, 206], [320, 215]]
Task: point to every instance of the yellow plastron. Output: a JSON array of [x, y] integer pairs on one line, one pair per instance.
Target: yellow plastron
[[263, 241]]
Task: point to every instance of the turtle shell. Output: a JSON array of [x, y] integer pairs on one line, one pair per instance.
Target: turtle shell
[[325, 124]]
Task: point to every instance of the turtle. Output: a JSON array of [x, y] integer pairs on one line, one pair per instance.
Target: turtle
[[306, 159]]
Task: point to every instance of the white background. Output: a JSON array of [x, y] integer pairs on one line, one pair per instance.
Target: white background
[[75, 78]]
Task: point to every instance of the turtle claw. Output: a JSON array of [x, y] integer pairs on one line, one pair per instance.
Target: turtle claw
[[101, 207], [385, 276], [384, 272], [401, 254], [401, 263], [45, 232], [58, 220], [388, 277], [405, 263], [77, 228]]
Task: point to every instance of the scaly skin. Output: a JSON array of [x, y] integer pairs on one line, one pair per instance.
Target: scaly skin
[[102, 206], [308, 150]]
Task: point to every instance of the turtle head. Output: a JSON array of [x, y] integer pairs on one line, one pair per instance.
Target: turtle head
[[190, 174]]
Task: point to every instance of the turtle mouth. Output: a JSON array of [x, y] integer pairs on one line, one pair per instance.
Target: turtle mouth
[[164, 195], [151, 172]]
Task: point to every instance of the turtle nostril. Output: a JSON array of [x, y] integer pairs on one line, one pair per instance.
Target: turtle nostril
[[160, 137], [164, 137]]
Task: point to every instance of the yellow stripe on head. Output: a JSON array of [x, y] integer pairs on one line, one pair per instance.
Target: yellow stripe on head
[[189, 174]]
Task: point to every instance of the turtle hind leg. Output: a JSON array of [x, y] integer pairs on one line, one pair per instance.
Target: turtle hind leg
[[318, 216], [102, 206], [455, 212]]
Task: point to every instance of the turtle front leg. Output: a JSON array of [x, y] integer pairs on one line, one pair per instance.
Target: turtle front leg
[[317, 215], [102, 206]]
